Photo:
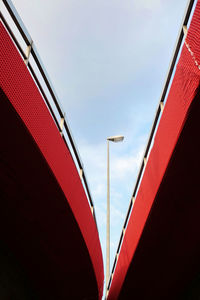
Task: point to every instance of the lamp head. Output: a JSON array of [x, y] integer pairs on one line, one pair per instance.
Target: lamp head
[[115, 139]]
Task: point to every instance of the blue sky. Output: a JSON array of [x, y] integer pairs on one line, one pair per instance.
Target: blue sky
[[107, 61]]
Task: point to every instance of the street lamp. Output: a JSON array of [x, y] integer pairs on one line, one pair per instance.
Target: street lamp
[[115, 139]]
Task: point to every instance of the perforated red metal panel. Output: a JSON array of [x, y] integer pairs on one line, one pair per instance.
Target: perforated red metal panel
[[19, 87], [182, 92]]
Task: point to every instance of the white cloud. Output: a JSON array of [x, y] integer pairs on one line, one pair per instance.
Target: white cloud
[[123, 165], [148, 4], [126, 165]]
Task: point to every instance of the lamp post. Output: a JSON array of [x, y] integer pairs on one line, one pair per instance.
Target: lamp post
[[115, 139]]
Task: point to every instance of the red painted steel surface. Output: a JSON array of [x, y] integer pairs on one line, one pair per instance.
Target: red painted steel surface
[[75, 223], [145, 268]]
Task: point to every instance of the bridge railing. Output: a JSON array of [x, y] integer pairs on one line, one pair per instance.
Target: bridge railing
[[167, 83], [45, 87]]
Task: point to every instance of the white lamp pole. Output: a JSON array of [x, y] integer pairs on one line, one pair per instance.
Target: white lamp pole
[[115, 139]]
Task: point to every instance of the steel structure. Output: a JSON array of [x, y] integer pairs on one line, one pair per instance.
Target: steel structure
[[155, 122], [160, 108], [47, 218]]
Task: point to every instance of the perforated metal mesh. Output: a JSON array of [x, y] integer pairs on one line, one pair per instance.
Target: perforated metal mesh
[[19, 87]]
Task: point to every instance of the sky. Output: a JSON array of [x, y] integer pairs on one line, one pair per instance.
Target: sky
[[107, 60]]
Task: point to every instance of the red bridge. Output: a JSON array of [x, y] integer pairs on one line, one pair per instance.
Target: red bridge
[[49, 243], [159, 256], [49, 240]]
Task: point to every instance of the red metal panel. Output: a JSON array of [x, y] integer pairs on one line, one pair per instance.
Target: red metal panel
[[19, 87], [182, 92]]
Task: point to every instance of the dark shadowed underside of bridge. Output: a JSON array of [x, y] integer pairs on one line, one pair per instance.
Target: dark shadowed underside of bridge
[[160, 252], [49, 241]]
